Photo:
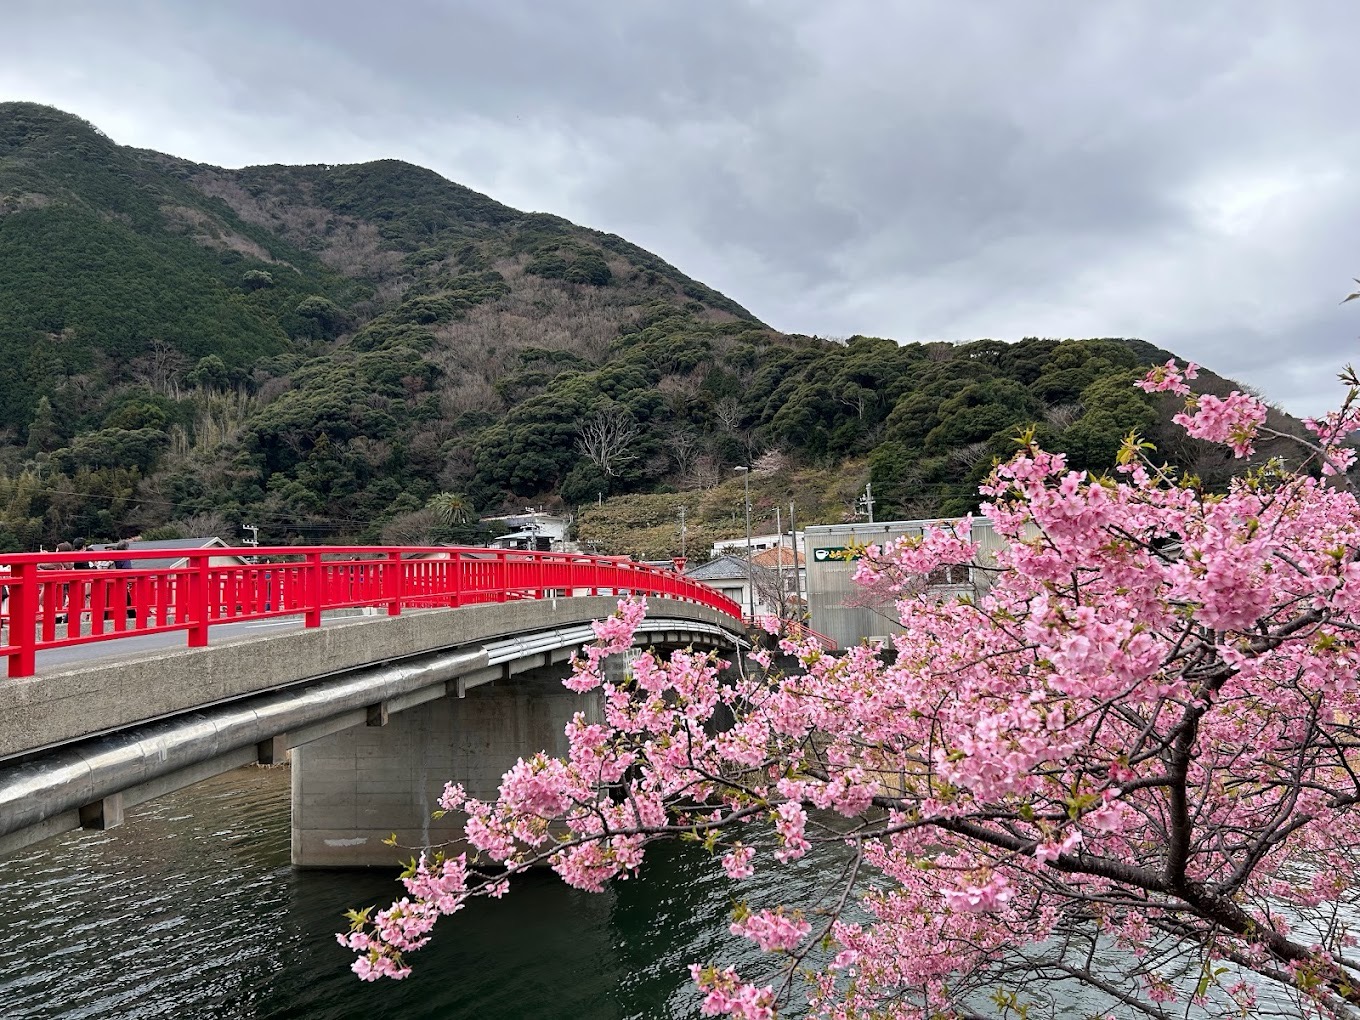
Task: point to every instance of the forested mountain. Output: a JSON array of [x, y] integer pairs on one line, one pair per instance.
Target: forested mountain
[[321, 349]]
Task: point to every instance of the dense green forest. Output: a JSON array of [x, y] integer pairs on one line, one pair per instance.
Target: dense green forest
[[320, 350]]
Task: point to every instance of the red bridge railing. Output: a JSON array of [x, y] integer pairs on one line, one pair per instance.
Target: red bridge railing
[[49, 604], [800, 631]]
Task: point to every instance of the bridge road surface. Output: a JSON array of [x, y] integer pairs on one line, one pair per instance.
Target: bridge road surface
[[53, 659]]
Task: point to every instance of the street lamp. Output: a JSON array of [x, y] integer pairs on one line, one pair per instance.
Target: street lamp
[[779, 565], [746, 506]]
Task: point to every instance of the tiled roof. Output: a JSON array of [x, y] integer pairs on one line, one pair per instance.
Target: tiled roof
[[170, 545], [174, 543], [722, 569], [773, 557]]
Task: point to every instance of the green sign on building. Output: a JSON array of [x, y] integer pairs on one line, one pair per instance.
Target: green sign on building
[[842, 553]]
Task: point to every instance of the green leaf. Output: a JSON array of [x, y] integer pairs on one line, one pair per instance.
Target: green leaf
[[357, 918]]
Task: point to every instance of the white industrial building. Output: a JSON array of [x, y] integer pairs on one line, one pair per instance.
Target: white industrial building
[[532, 530], [759, 543], [845, 611]]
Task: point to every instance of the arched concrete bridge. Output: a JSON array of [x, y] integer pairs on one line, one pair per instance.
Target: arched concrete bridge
[[379, 713]]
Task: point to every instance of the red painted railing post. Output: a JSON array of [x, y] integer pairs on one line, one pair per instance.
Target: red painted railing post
[[23, 619], [315, 588], [198, 607], [397, 587]]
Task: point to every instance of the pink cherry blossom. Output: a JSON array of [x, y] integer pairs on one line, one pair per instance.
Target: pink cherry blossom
[[1051, 850], [1233, 421], [1169, 378], [737, 861], [991, 895], [1139, 733], [772, 929]]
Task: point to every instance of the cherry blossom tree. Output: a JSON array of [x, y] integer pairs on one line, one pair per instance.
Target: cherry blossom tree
[[1133, 765]]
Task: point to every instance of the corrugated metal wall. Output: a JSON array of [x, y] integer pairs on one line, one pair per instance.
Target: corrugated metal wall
[[829, 584]]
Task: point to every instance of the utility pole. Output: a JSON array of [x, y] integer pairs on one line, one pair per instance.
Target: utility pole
[[746, 506], [254, 538], [682, 533], [797, 582], [779, 560], [868, 500]]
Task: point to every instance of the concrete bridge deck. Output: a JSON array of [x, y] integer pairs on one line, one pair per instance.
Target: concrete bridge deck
[[79, 743]]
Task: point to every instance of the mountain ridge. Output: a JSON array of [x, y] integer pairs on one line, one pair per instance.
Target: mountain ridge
[[326, 347]]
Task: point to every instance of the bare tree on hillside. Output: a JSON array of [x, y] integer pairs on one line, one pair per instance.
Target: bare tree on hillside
[[1060, 416], [728, 412], [684, 446], [679, 391], [860, 400], [160, 368], [460, 465], [965, 458], [270, 388], [705, 474], [418, 527], [208, 524], [468, 393], [605, 439]]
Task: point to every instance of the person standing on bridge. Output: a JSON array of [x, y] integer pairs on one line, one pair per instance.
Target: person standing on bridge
[[80, 550], [62, 547], [121, 562]]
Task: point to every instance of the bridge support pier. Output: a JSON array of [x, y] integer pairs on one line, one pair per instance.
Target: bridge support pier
[[354, 789], [105, 813], [273, 751]]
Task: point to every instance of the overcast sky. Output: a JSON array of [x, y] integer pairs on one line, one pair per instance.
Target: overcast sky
[[1184, 172]]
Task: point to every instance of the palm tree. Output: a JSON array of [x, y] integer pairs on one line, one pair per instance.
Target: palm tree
[[452, 507]]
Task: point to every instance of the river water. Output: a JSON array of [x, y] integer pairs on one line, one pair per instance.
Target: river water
[[192, 909]]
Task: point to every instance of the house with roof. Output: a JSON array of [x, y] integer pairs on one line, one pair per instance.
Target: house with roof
[[756, 590], [759, 543], [786, 567], [437, 551], [176, 552], [533, 530]]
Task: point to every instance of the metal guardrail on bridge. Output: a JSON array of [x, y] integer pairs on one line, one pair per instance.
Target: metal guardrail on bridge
[[49, 604], [801, 631]]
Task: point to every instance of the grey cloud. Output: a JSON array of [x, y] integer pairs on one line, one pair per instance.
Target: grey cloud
[[511, 58], [911, 170]]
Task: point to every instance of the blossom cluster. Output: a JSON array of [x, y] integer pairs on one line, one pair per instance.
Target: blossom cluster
[[1142, 731]]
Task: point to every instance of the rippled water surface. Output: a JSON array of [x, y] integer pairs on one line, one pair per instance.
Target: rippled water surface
[[191, 909]]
